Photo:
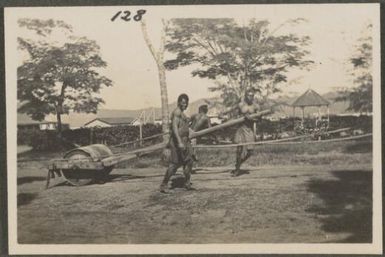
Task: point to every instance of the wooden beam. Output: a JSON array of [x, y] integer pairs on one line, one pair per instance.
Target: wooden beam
[[227, 124]]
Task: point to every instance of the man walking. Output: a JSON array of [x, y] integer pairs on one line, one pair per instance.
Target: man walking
[[244, 133], [179, 144]]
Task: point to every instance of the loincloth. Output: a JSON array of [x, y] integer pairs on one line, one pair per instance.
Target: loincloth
[[178, 156], [244, 134]]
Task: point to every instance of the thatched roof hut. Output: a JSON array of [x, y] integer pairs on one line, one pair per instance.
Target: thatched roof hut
[[310, 99]]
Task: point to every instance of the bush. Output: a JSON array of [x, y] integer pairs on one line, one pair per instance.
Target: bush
[[47, 140], [25, 136], [120, 134], [79, 136], [363, 122]]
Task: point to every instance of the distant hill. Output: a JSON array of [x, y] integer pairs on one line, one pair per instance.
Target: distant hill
[[79, 119]]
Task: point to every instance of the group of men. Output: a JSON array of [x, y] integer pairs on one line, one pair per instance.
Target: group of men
[[181, 150]]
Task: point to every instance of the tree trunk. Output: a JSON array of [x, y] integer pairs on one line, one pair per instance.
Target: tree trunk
[[59, 110], [164, 98], [58, 118], [159, 59]]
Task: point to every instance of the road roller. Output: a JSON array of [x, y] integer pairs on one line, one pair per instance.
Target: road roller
[[83, 165], [87, 164]]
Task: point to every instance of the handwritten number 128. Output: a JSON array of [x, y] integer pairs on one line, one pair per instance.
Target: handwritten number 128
[[125, 15]]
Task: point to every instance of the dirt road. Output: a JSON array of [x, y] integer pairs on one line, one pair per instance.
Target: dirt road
[[271, 204]]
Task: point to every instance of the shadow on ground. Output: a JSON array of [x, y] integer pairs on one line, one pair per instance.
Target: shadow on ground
[[346, 205], [359, 147], [25, 198], [24, 180], [123, 177]]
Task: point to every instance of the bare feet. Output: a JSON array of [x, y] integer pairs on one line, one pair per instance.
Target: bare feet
[[163, 188]]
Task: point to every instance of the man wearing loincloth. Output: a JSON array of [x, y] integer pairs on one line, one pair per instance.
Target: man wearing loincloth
[[199, 121], [179, 144], [244, 133]]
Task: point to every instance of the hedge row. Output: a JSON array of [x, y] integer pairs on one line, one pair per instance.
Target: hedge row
[[274, 128], [48, 140]]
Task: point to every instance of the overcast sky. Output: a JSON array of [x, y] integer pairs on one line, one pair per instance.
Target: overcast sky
[[333, 29]]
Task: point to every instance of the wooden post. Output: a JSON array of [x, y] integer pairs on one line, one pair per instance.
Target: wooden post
[[328, 116], [319, 118], [48, 179], [144, 117], [140, 133], [91, 135], [303, 114], [255, 129]]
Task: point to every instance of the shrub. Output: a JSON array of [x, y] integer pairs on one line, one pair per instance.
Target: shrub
[[46, 140], [25, 136]]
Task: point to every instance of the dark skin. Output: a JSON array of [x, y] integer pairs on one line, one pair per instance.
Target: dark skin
[[248, 106], [245, 108], [180, 130], [182, 106], [203, 122]]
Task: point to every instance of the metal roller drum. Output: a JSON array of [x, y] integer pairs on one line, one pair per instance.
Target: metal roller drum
[[88, 167]]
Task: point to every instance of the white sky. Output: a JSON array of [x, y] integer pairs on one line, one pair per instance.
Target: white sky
[[333, 29]]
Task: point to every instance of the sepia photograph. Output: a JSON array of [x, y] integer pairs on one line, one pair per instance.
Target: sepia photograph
[[177, 129]]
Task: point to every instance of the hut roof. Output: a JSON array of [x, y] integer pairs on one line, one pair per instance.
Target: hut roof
[[310, 98], [114, 120]]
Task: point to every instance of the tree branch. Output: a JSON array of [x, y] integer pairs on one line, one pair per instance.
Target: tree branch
[[204, 46], [148, 42]]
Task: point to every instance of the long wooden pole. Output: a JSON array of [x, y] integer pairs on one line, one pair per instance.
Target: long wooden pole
[[112, 160], [228, 124], [140, 133]]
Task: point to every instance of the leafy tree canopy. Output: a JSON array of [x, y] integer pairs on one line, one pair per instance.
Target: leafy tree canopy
[[58, 77], [360, 97], [236, 56]]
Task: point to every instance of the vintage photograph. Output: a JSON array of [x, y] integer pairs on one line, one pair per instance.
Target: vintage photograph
[[194, 129]]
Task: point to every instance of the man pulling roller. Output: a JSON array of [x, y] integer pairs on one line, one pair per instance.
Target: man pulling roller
[[179, 144], [244, 133]]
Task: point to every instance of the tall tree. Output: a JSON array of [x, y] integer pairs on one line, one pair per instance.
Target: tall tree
[[159, 59], [58, 77], [360, 97], [236, 57]]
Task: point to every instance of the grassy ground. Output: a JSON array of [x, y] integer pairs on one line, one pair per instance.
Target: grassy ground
[[292, 194], [345, 152]]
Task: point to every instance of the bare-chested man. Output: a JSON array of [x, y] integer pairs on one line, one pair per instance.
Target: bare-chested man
[[245, 133], [200, 120], [179, 144]]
